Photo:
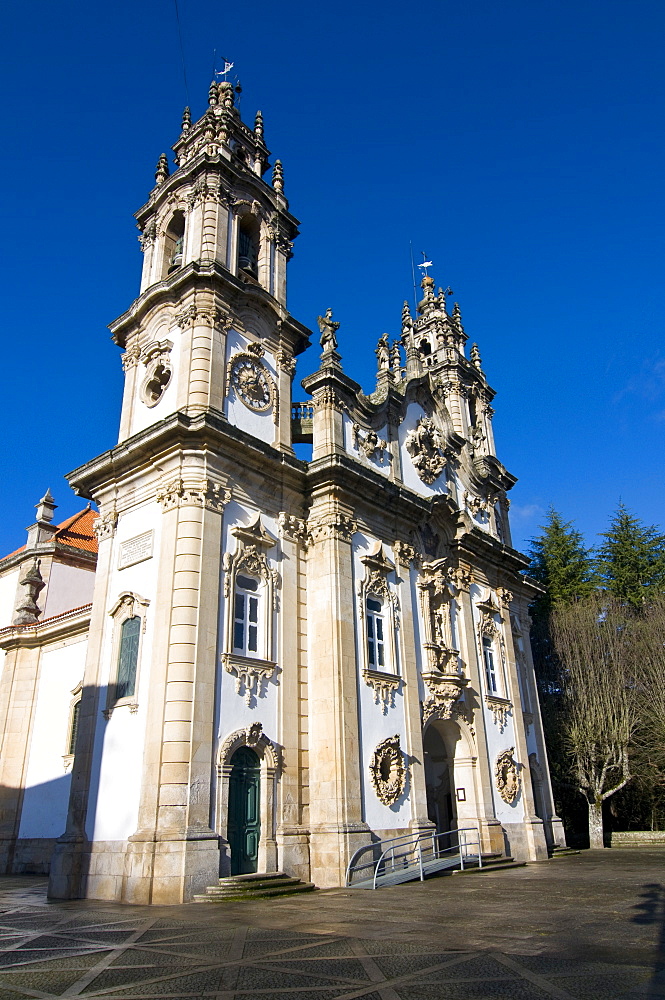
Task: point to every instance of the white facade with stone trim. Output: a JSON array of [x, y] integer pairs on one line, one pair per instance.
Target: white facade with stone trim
[[343, 640]]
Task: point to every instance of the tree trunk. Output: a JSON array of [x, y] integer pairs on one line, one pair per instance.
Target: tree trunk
[[596, 824]]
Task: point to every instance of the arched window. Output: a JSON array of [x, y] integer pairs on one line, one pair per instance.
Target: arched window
[[246, 617], [128, 656], [248, 246], [173, 244], [377, 650]]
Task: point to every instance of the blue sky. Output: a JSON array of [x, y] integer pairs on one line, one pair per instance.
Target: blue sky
[[520, 144]]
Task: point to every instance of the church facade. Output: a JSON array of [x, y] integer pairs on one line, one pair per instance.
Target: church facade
[[260, 663]]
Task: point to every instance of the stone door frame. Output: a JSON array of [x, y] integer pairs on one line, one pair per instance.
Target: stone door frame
[[270, 762]]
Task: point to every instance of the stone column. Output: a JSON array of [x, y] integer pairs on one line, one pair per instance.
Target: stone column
[[337, 828]]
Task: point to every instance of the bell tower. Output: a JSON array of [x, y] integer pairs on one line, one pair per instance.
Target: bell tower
[[216, 239], [204, 445]]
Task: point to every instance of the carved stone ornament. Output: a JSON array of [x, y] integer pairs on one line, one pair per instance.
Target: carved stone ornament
[[286, 362], [105, 524], [500, 709], [251, 674], [477, 505], [129, 359], [27, 611], [369, 444], [198, 492], [507, 776], [333, 525], [293, 528], [148, 236], [251, 736], [443, 693], [425, 446], [252, 383], [388, 771], [437, 608], [157, 360]]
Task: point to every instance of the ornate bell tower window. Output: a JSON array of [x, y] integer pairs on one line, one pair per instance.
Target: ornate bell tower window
[[248, 246], [173, 244]]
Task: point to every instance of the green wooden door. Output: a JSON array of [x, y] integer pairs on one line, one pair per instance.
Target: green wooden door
[[244, 828]]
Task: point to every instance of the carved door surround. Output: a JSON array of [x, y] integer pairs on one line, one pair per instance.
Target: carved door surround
[[270, 766]]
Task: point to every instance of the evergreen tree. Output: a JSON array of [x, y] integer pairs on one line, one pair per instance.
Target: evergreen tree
[[632, 559], [561, 563]]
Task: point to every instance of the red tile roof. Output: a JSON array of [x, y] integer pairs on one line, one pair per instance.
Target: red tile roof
[[76, 532]]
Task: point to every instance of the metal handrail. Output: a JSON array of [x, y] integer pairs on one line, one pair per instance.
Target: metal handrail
[[411, 846]]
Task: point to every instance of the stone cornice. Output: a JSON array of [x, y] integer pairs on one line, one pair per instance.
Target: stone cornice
[[204, 162], [64, 626], [204, 276], [60, 553], [210, 432]]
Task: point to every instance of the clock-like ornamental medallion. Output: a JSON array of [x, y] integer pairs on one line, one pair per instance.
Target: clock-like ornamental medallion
[[252, 383]]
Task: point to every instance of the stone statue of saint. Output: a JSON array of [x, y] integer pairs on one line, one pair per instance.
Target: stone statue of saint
[[383, 352], [328, 328]]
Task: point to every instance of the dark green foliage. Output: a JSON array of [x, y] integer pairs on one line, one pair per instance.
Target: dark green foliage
[[632, 559], [561, 563]]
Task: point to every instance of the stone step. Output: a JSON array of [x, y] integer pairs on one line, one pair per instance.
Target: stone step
[[255, 886], [562, 852], [494, 864]]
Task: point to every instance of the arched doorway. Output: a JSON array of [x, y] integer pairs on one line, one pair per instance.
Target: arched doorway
[[440, 801], [450, 775], [244, 822]]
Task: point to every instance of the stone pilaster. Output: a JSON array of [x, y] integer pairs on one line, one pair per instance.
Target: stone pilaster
[[175, 853], [337, 828], [292, 837], [404, 555]]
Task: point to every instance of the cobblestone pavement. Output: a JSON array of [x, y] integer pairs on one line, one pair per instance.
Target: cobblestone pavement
[[587, 927]]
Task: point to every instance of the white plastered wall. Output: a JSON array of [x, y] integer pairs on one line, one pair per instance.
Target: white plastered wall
[[410, 477], [498, 738], [259, 425], [234, 713], [46, 797], [8, 585], [380, 461], [68, 587], [116, 772], [142, 415], [375, 725]]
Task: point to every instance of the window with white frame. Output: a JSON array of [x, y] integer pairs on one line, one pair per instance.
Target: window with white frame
[[377, 650], [246, 616], [490, 664]]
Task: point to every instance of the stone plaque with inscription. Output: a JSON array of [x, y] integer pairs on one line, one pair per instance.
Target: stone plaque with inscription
[[135, 550]]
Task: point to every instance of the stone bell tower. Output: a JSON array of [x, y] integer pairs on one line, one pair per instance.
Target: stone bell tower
[[208, 357], [216, 239]]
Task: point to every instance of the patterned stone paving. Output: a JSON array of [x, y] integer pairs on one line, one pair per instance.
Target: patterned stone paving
[[585, 928]]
